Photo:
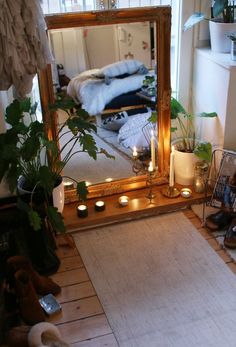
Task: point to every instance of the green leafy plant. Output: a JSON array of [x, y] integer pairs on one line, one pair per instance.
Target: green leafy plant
[[27, 150], [185, 124], [224, 9]]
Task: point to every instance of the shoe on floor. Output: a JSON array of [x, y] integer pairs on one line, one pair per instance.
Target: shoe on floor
[[218, 220], [230, 236], [43, 285], [29, 306], [18, 336]]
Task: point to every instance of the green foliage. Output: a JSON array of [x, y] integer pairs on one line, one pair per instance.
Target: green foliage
[[224, 9], [26, 150], [185, 124]]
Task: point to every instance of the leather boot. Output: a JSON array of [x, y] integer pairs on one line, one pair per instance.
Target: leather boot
[[30, 309], [18, 336], [43, 285]]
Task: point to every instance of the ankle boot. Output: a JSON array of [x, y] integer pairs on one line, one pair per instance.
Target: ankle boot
[[43, 285], [30, 309], [18, 336]]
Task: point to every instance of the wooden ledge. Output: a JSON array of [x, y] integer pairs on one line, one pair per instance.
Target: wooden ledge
[[138, 207]]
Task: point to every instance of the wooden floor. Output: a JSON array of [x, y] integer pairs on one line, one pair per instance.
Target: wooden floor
[[82, 321]]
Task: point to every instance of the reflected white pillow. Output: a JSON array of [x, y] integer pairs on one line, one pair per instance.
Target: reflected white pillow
[[129, 66], [131, 133]]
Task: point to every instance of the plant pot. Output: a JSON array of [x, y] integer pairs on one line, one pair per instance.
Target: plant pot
[[40, 243], [219, 31], [58, 196], [184, 167]]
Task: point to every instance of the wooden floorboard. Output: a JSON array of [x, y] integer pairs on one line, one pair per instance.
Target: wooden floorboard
[[82, 321]]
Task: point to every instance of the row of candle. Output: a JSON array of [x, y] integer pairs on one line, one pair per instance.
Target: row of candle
[[99, 206]]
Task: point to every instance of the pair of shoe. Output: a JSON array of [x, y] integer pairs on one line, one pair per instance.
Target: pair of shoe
[[230, 236], [218, 220], [28, 285]]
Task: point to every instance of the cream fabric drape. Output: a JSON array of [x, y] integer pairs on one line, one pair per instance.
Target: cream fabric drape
[[23, 44]]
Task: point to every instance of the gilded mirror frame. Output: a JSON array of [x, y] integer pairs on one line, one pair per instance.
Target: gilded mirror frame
[[161, 16]]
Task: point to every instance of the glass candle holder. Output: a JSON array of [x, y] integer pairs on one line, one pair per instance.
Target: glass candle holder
[[186, 193], [123, 200], [99, 206], [200, 176], [82, 211]]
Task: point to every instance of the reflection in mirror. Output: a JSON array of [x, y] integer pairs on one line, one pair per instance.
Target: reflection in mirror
[[110, 71]]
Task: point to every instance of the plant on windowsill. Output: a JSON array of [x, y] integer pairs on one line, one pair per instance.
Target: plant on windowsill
[[28, 153], [221, 24]]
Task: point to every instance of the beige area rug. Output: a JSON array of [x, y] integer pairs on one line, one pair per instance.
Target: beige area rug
[[161, 284], [218, 235]]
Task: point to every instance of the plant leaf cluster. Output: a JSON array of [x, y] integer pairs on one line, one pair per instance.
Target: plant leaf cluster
[[27, 150], [186, 125]]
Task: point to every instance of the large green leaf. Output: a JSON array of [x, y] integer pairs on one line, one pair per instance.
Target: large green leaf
[[12, 176], [176, 108], [47, 178], [36, 129], [35, 220], [14, 113], [88, 143], [77, 124], [25, 105], [219, 6], [30, 148], [55, 219], [208, 115], [82, 190], [203, 151]]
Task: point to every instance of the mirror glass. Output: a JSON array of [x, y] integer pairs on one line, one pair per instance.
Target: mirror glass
[[138, 40], [110, 70]]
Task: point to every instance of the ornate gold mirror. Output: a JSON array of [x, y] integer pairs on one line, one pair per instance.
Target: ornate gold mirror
[[119, 23]]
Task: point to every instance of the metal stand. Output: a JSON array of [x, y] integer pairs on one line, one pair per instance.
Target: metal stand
[[170, 192]]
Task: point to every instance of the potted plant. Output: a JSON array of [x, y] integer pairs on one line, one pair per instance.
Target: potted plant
[[221, 24], [188, 149], [32, 163]]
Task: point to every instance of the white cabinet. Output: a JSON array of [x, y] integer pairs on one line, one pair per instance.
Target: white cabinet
[[214, 90]]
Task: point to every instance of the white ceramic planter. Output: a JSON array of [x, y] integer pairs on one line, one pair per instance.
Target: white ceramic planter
[[184, 167], [220, 43], [58, 197]]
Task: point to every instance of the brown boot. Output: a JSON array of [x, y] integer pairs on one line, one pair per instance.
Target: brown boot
[[30, 309], [18, 336], [43, 285]]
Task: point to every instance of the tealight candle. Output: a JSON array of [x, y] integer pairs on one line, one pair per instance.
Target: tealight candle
[[123, 200], [186, 193], [68, 185], [100, 206], [82, 211]]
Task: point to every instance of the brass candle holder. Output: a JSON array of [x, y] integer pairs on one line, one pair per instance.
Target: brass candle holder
[[150, 176], [170, 192]]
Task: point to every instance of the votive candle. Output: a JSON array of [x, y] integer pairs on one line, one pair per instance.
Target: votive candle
[[100, 205], [82, 211]]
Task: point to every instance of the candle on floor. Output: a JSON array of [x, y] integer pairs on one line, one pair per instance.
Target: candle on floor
[[171, 174], [82, 211], [100, 206], [186, 193], [153, 154], [123, 200]]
